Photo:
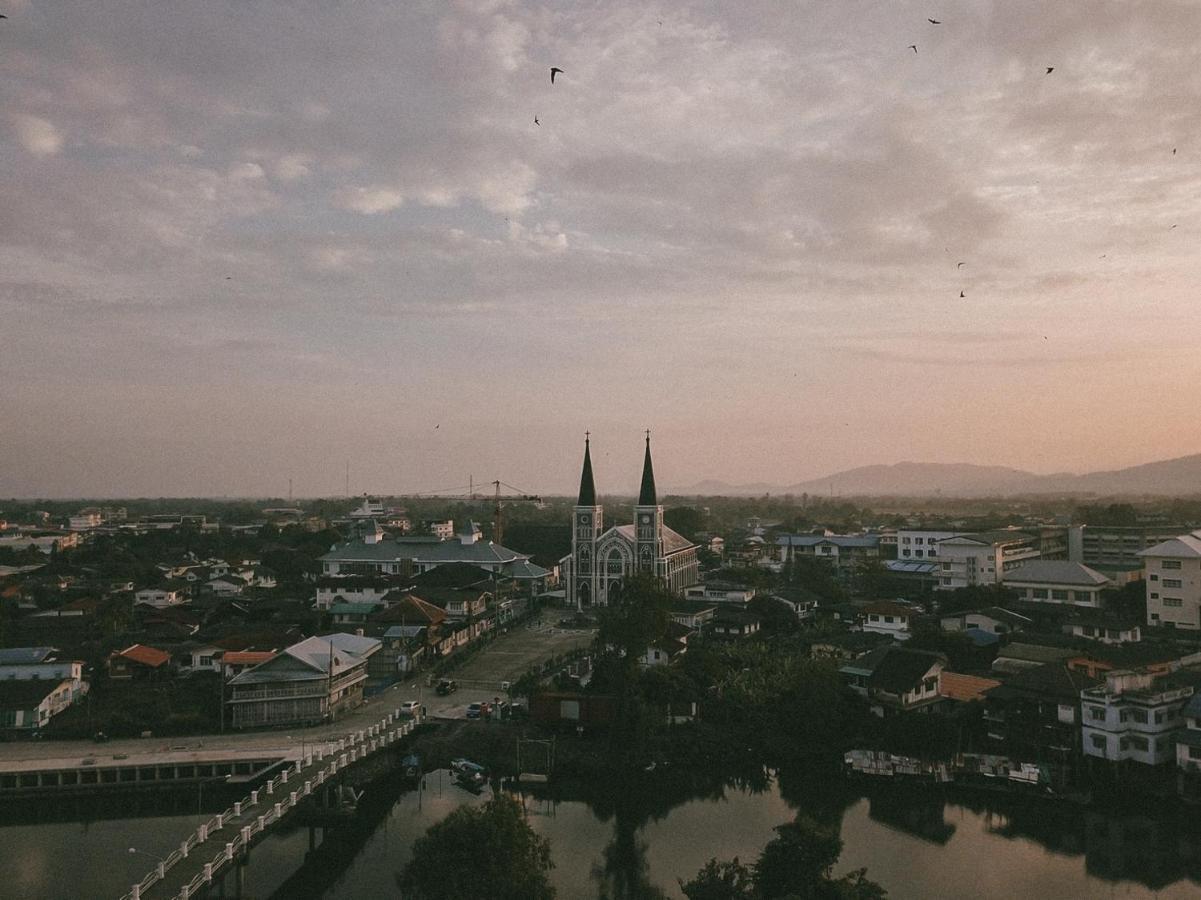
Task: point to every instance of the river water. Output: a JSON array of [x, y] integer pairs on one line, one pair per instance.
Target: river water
[[916, 846]]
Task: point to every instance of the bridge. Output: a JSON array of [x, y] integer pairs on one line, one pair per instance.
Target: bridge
[[225, 840]]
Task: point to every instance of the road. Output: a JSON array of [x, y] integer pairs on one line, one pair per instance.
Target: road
[[505, 659]]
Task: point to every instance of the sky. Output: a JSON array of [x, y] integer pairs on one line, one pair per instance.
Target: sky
[[248, 242]]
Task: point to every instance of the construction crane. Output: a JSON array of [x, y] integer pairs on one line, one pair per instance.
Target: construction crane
[[498, 501]]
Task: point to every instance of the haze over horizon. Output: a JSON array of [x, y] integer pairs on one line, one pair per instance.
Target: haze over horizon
[[242, 243]]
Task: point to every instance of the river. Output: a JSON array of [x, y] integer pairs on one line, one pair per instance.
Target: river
[[916, 846]]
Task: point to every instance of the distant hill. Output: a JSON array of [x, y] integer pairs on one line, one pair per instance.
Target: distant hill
[[1173, 477]]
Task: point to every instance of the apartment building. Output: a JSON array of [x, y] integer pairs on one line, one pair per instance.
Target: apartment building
[[1134, 715], [982, 558], [1172, 572]]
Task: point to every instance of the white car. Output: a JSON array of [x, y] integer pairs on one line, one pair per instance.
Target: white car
[[410, 708]]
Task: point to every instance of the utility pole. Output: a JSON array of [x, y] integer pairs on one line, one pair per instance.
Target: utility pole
[[348, 478]]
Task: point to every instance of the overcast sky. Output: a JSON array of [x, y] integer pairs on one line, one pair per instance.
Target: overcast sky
[[242, 242]]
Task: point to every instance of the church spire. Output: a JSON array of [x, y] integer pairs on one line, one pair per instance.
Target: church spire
[[646, 496], [587, 487]]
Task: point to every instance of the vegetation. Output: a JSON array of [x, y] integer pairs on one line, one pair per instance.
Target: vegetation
[[484, 852]]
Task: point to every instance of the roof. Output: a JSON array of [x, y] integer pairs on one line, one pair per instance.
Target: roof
[[646, 495], [246, 657], [1051, 680], [522, 569], [839, 540], [323, 656], [908, 567], [404, 631], [1055, 571], [410, 608], [1035, 652], [673, 542], [900, 670], [353, 609], [145, 656], [993, 612], [1185, 545], [866, 663], [999, 536], [15, 656], [452, 574], [1193, 708], [964, 688], [888, 608], [587, 486], [25, 694]]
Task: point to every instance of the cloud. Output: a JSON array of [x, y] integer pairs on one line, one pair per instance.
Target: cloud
[[369, 201], [38, 135]]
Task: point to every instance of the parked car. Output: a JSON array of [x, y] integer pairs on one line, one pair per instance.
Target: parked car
[[474, 710], [410, 708], [447, 686]]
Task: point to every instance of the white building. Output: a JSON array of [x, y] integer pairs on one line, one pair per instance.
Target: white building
[[159, 598], [1057, 581], [888, 618], [913, 544], [1172, 571], [352, 590], [981, 559], [84, 521], [1133, 716], [717, 592], [1188, 742]]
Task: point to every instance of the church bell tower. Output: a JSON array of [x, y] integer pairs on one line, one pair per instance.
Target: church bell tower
[[648, 520], [587, 521]]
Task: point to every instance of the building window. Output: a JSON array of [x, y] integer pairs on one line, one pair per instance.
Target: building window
[[1172, 583], [1170, 564], [1096, 713], [1155, 596], [904, 553], [1173, 601], [1138, 742], [1084, 597], [1154, 577], [1039, 593], [1059, 595], [1194, 752], [1099, 741]]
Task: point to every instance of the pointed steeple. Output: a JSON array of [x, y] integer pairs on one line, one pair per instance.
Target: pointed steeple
[[646, 497], [587, 487]]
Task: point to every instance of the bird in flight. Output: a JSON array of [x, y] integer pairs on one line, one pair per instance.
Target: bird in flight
[[934, 21], [960, 265], [554, 70], [1050, 69], [913, 47], [1173, 151], [961, 295], [536, 122]]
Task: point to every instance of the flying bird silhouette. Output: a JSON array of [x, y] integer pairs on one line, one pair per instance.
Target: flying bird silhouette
[[554, 70], [1050, 69], [1173, 151], [960, 265], [536, 122], [961, 295], [934, 21], [913, 47]]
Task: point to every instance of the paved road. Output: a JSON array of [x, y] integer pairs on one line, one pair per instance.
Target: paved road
[[505, 659]]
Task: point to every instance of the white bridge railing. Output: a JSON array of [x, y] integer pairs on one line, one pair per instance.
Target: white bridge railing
[[341, 753]]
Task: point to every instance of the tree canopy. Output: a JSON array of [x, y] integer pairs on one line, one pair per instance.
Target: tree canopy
[[484, 852]]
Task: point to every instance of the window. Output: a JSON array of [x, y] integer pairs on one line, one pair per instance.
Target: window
[[888, 620], [1059, 595], [918, 552], [1173, 601], [904, 540], [1137, 715], [904, 553], [1096, 713], [1154, 577], [930, 684], [1155, 596], [1170, 564], [1172, 583], [1159, 717], [1194, 752], [1138, 742], [1099, 741], [1038, 593], [1083, 597]]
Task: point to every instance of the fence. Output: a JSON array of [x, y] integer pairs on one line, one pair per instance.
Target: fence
[[342, 753]]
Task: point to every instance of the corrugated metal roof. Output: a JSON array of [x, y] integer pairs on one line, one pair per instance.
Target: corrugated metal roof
[[1055, 571]]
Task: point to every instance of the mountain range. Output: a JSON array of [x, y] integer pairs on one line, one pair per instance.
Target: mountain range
[[1171, 477]]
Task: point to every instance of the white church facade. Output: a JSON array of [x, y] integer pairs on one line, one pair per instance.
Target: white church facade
[[601, 559]]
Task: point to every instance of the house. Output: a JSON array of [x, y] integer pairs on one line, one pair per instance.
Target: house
[[1172, 571], [353, 614], [459, 603], [350, 589], [161, 598], [839, 549], [982, 558], [1097, 625], [226, 585], [375, 553], [28, 705], [991, 619], [692, 615], [895, 679], [668, 648], [309, 682], [1057, 581], [720, 592], [846, 646], [731, 623], [804, 604], [1133, 715], [42, 664], [1035, 714], [139, 661], [887, 617]]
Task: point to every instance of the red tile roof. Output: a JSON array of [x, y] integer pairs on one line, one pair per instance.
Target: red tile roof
[[964, 688], [146, 656]]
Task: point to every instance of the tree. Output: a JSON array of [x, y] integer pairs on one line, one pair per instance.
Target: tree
[[687, 520], [720, 881], [635, 618], [484, 852]]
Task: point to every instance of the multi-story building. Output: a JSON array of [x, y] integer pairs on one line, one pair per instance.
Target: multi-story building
[[1172, 571], [349, 589], [983, 558], [839, 549], [309, 682], [720, 592], [1116, 546], [1057, 581], [1133, 715], [920, 544]]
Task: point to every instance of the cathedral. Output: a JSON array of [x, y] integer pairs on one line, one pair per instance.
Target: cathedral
[[602, 558]]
